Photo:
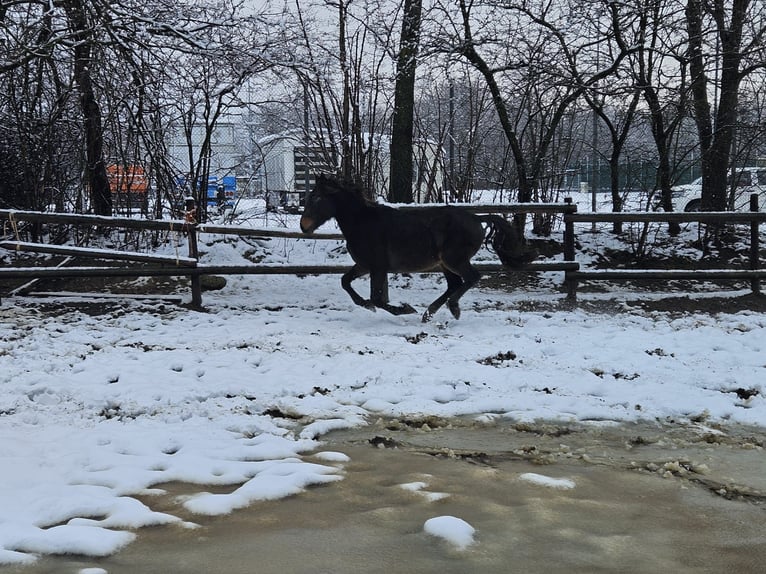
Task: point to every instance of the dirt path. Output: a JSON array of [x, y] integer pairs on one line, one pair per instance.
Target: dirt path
[[646, 498]]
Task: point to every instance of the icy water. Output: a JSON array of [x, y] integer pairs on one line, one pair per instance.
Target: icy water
[[646, 499]]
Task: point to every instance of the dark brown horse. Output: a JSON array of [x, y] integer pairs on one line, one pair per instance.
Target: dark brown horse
[[383, 240]]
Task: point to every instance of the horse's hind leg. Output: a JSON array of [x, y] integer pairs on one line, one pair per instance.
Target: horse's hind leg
[[456, 253], [454, 283], [470, 276]]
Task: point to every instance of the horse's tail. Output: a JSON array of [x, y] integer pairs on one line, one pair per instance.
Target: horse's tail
[[507, 241]]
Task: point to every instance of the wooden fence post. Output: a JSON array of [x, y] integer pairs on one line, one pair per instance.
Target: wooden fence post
[[569, 250], [190, 218], [755, 282]]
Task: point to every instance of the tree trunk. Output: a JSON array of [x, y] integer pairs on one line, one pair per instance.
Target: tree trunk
[[404, 105], [700, 102], [614, 185], [101, 196], [660, 134], [346, 161]]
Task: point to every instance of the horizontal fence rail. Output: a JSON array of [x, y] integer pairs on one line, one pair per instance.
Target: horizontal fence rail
[[141, 271], [508, 208], [13, 217], [653, 274], [97, 253], [667, 216]]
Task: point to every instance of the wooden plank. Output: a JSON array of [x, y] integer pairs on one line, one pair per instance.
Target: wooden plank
[[177, 224], [97, 253], [540, 266], [648, 274], [23, 272], [177, 299], [22, 289], [335, 269], [568, 210], [265, 233], [93, 220], [156, 225], [496, 208], [661, 216]]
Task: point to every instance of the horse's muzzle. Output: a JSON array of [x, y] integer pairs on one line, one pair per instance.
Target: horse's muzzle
[[307, 224]]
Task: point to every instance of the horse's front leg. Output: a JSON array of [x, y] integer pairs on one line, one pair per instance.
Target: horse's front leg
[[379, 295], [354, 273]]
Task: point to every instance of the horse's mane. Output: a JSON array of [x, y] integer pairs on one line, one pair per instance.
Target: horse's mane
[[349, 187]]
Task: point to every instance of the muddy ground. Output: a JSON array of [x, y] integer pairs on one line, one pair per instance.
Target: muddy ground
[[660, 496], [647, 498]]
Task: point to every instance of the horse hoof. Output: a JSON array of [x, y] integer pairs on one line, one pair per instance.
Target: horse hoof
[[408, 309], [426, 317]]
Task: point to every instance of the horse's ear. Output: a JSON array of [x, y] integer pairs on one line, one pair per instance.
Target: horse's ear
[[328, 183], [325, 181]]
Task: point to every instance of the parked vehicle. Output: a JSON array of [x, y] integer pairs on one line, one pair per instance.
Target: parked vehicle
[[744, 182], [129, 186]]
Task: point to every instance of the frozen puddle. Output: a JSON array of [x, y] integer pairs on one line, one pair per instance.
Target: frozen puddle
[[428, 505]]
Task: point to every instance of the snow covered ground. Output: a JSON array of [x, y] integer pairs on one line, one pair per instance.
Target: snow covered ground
[[98, 408]]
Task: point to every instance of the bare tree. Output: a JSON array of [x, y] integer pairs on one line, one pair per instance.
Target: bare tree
[[750, 140], [618, 121], [457, 117], [548, 58], [347, 77], [133, 42], [39, 150], [738, 31], [83, 26]]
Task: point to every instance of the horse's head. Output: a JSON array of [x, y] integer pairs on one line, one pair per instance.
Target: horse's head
[[321, 202]]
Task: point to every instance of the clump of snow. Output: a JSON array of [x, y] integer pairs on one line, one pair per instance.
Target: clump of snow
[[13, 557], [332, 456], [276, 480], [434, 496], [319, 428], [454, 530], [547, 481], [413, 486], [419, 487], [67, 539]]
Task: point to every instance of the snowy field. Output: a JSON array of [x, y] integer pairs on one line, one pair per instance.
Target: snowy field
[[98, 408]]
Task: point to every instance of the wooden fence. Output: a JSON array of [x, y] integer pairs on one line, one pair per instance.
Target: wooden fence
[[754, 273], [190, 267]]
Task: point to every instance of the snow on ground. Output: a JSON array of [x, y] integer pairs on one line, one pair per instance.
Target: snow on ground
[[454, 530], [547, 481], [419, 487], [97, 409]]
